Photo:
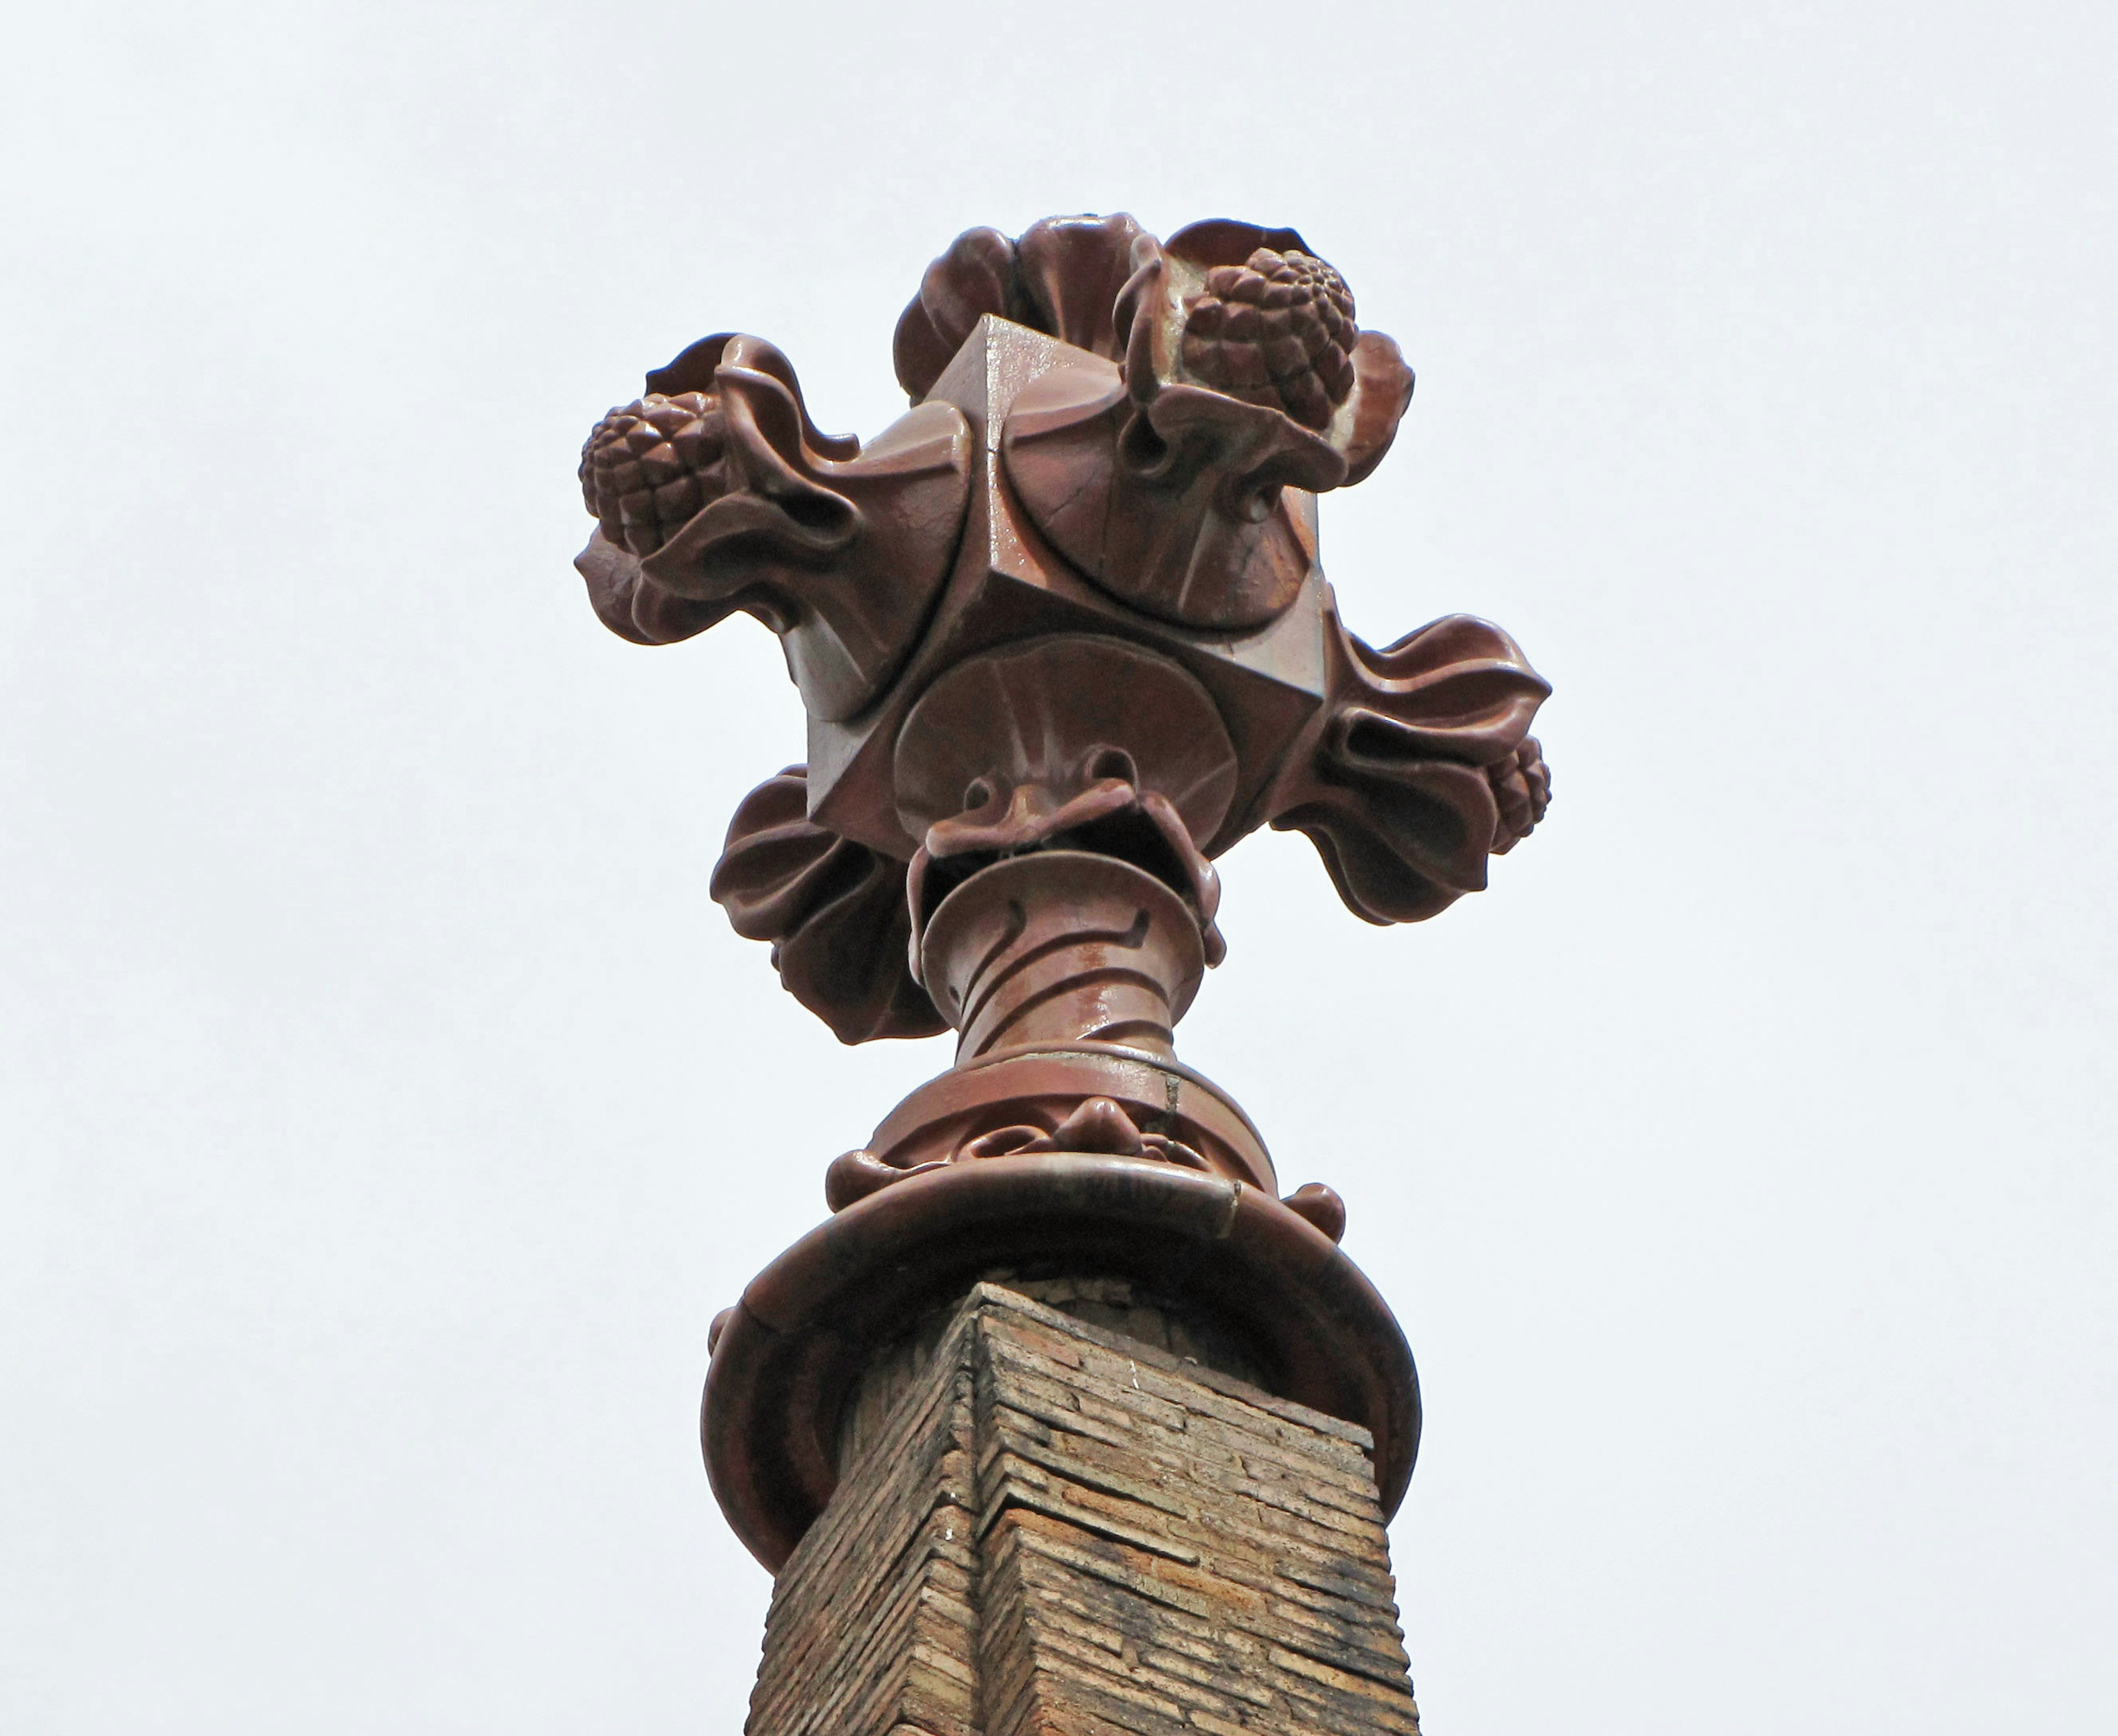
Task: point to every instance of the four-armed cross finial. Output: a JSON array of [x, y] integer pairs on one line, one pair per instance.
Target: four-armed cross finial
[[1062, 639]]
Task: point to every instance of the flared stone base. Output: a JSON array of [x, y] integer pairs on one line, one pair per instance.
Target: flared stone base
[[1047, 1528]]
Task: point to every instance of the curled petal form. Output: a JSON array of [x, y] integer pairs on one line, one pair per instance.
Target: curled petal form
[[715, 493], [1071, 269], [1097, 1126], [852, 1176], [1111, 816], [698, 369], [1321, 1206], [1062, 277], [834, 912], [975, 277], [633, 608], [1251, 315], [1170, 477], [1074, 741], [1064, 712], [1400, 783], [1382, 393]]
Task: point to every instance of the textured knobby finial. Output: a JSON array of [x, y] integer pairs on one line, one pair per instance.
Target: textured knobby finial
[[1275, 331]]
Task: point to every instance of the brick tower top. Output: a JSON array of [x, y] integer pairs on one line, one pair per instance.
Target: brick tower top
[[1062, 638]]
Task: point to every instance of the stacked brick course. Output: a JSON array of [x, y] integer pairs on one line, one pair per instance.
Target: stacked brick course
[[1053, 1530]]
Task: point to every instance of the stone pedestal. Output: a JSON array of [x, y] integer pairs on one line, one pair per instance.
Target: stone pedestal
[[1045, 1527]]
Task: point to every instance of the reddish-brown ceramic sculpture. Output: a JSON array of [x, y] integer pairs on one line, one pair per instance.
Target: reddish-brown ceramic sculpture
[[1062, 638]]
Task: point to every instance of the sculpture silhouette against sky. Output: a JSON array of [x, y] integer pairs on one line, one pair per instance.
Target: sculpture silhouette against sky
[[1062, 639]]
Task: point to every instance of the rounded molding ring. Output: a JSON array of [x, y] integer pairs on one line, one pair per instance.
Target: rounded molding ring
[[1161, 1094], [791, 1351]]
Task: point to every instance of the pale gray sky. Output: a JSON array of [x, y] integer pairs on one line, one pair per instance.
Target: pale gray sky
[[386, 1111]]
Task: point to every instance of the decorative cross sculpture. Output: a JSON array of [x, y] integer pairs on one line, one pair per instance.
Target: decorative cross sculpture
[[1062, 639]]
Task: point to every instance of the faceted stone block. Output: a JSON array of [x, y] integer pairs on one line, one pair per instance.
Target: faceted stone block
[[1009, 583]]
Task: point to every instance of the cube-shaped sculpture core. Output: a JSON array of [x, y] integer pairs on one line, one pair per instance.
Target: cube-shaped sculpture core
[[1009, 583]]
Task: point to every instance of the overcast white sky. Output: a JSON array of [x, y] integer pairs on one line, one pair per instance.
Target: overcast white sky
[[386, 1111]]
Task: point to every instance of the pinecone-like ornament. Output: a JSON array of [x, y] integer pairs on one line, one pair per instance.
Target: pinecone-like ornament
[[643, 468], [1522, 788], [1275, 331]]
